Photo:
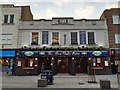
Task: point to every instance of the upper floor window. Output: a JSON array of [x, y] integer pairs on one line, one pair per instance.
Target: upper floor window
[[45, 37], [6, 38], [64, 39], [117, 38], [55, 37], [91, 39], [34, 38], [74, 38], [8, 18], [5, 18], [82, 37], [116, 19], [11, 18]]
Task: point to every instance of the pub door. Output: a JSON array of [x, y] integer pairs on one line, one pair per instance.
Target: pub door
[[63, 65], [81, 65], [46, 62]]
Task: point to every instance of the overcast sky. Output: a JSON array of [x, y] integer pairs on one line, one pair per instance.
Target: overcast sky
[[46, 9]]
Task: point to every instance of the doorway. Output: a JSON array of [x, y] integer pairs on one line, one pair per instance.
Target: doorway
[[81, 65], [62, 65]]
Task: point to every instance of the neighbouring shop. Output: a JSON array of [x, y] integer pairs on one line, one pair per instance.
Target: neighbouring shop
[[72, 62], [26, 63], [115, 60], [7, 58]]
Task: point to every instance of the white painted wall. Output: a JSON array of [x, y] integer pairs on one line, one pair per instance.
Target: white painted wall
[[11, 28], [100, 29]]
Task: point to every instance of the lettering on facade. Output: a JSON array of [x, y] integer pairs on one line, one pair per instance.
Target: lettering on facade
[[62, 21]]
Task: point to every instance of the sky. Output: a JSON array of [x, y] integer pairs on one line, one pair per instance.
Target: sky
[[78, 9]]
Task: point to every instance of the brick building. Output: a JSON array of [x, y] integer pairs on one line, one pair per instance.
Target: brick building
[[112, 17]]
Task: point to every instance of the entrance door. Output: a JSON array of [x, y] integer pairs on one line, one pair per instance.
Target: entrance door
[[81, 65], [63, 65], [46, 62]]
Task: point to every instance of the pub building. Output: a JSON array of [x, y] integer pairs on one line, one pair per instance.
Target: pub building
[[7, 59], [72, 61]]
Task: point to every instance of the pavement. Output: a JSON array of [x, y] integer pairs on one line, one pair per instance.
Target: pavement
[[60, 81]]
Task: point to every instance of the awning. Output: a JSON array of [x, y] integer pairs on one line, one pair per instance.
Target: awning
[[7, 53]]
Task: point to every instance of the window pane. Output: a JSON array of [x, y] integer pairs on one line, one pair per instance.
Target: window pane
[[82, 37], [5, 18], [45, 37], [55, 37], [11, 18], [34, 38], [117, 38], [116, 19], [74, 38], [65, 39], [91, 38]]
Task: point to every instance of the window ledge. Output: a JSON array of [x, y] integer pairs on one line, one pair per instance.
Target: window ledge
[[28, 68], [8, 23], [97, 68]]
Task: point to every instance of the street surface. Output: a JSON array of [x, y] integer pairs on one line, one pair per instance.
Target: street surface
[[60, 81]]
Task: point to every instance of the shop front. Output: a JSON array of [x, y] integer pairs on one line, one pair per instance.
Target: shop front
[[71, 62], [99, 62], [26, 63], [7, 58]]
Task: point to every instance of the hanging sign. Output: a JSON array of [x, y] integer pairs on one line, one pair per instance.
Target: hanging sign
[[29, 53], [97, 53]]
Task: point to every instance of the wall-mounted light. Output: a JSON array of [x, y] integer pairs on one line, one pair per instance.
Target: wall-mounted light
[[73, 58], [36, 58], [89, 58]]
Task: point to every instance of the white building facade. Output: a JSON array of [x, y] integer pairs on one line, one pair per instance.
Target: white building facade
[[9, 18], [63, 32]]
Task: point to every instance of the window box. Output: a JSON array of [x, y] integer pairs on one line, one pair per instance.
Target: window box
[[74, 43], [34, 43], [55, 43], [28, 68]]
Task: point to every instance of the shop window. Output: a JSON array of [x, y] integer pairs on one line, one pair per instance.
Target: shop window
[[106, 63], [19, 63], [97, 62], [28, 63], [34, 38]]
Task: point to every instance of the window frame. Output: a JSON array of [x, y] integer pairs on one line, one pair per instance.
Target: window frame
[[89, 39], [81, 37], [76, 38], [43, 37], [116, 19]]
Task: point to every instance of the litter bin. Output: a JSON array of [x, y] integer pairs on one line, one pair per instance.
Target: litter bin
[[47, 74], [105, 84]]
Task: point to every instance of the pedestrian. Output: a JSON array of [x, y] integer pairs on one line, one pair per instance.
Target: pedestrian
[[42, 68]]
